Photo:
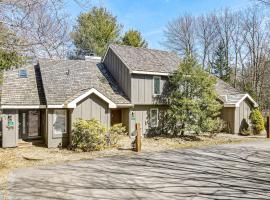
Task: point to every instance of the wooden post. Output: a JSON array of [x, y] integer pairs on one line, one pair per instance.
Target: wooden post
[[268, 127], [138, 138]]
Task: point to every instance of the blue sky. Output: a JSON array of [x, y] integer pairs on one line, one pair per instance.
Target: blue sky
[[151, 16]]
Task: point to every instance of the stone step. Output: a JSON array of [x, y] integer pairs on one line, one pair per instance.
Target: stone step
[[24, 144]]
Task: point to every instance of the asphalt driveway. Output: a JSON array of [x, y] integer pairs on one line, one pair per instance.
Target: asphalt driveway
[[237, 171]]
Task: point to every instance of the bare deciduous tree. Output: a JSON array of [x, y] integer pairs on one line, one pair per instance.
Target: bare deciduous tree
[[206, 34], [180, 35], [41, 25], [244, 38]]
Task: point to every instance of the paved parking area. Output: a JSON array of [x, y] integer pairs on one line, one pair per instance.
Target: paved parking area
[[236, 171]]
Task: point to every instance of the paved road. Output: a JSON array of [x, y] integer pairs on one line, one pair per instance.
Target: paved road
[[237, 171]]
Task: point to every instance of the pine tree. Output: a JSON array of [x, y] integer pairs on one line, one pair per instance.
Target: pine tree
[[221, 67], [133, 38], [94, 31], [193, 104]]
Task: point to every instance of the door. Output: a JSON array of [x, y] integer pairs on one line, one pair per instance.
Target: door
[[116, 117], [33, 123]]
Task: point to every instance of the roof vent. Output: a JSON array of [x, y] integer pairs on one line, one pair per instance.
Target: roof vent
[[23, 73]]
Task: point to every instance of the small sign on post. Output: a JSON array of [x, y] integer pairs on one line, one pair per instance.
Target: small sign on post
[[138, 140], [268, 127]]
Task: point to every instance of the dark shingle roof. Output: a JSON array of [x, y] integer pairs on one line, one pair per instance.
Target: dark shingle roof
[[64, 80], [223, 88], [22, 91], [149, 60], [227, 93]]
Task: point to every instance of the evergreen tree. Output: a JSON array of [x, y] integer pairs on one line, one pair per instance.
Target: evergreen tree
[[133, 38], [94, 31], [193, 104], [8, 57], [221, 67]]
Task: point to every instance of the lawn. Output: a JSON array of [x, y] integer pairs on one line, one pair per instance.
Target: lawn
[[14, 158]]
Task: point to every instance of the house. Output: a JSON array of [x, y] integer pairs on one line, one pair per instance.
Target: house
[[126, 86]]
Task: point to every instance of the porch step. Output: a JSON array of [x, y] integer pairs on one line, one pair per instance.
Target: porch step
[[24, 144]]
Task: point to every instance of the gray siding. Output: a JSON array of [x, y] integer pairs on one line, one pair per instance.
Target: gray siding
[[242, 113], [235, 116], [228, 115], [142, 89], [10, 135], [119, 71], [142, 116], [92, 108], [54, 141]]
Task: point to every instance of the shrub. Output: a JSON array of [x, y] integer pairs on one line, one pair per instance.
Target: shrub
[[114, 134], [213, 125], [88, 135], [257, 121]]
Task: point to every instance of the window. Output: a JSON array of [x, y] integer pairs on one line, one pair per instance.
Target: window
[[156, 85], [59, 122], [23, 73], [154, 117]]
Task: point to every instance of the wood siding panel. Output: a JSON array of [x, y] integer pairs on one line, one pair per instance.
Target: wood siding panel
[[228, 115], [142, 113], [10, 135], [92, 108], [119, 71], [56, 141], [142, 89]]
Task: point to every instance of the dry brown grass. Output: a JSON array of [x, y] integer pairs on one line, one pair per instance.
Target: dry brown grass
[[14, 158]]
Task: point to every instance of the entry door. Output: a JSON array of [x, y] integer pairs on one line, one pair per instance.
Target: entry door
[[23, 124], [33, 123], [116, 117]]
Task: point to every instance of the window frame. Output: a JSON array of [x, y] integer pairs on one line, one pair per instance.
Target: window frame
[[151, 125], [159, 78], [53, 121]]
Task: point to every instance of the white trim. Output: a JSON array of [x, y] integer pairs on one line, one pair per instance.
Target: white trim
[[22, 107], [73, 104], [156, 77], [226, 105], [249, 97], [151, 117], [237, 104], [151, 73], [56, 106]]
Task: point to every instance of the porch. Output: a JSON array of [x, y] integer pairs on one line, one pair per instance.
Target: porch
[[23, 127]]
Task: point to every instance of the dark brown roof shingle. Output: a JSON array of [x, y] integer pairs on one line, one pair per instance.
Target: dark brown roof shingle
[[23, 91], [64, 80], [149, 60]]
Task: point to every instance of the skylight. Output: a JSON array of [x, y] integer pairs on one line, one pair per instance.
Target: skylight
[[23, 73]]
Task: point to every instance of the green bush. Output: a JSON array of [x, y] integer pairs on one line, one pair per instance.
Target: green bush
[[115, 133], [88, 135], [257, 121], [213, 125]]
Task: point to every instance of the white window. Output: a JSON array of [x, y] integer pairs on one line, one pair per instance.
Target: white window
[[154, 117], [156, 85], [59, 122]]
